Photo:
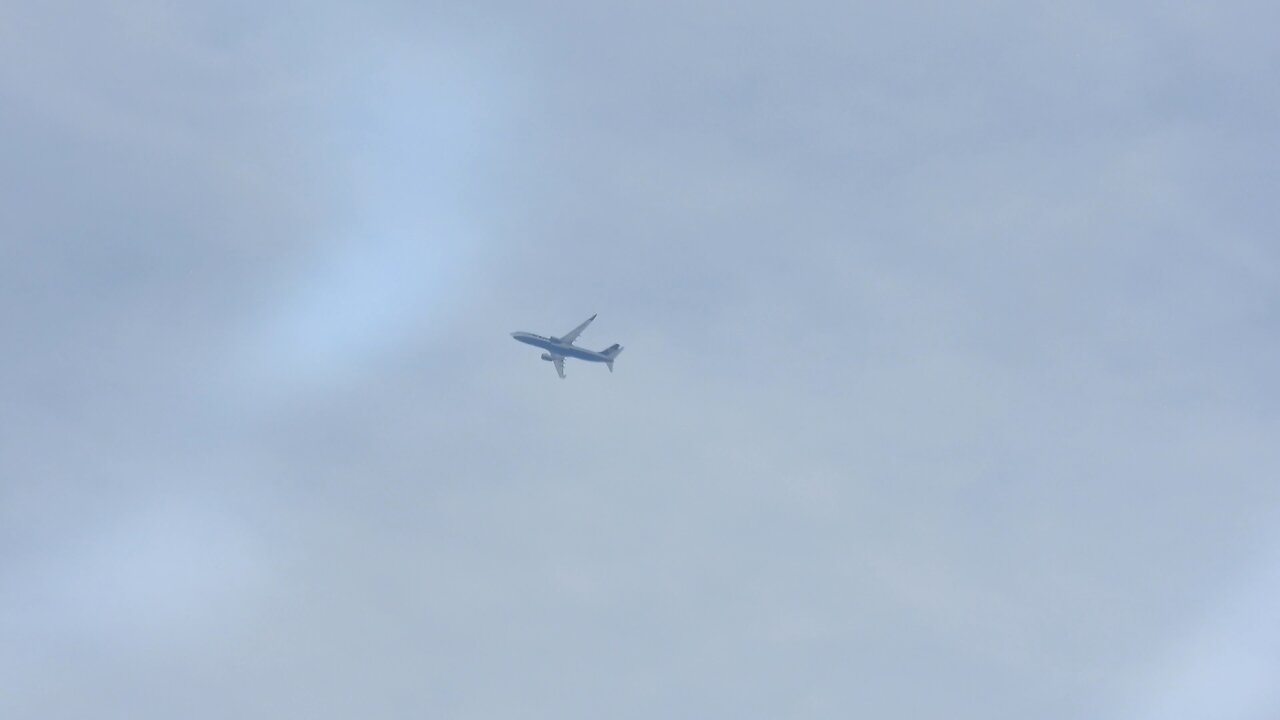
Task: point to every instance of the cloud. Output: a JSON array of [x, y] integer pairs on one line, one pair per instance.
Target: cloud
[[948, 386]]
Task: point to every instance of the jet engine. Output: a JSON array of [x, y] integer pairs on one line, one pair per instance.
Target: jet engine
[[548, 357]]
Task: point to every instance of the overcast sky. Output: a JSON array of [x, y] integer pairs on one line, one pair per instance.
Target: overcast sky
[[949, 387]]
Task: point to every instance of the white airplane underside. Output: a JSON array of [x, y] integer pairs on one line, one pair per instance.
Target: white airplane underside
[[559, 348]]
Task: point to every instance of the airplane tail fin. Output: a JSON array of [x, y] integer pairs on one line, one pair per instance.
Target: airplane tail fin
[[611, 353]]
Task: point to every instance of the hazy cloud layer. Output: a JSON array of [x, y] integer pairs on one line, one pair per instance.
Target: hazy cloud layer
[[949, 386]]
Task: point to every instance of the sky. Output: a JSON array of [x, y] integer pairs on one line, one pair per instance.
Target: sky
[[949, 386]]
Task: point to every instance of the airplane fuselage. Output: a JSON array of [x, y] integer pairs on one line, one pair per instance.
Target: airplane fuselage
[[559, 348]]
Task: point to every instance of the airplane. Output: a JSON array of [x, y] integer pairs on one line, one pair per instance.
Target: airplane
[[562, 347]]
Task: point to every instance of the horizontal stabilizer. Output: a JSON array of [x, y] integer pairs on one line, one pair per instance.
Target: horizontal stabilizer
[[610, 354]]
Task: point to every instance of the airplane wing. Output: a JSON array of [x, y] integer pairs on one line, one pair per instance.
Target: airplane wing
[[559, 363], [574, 333]]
